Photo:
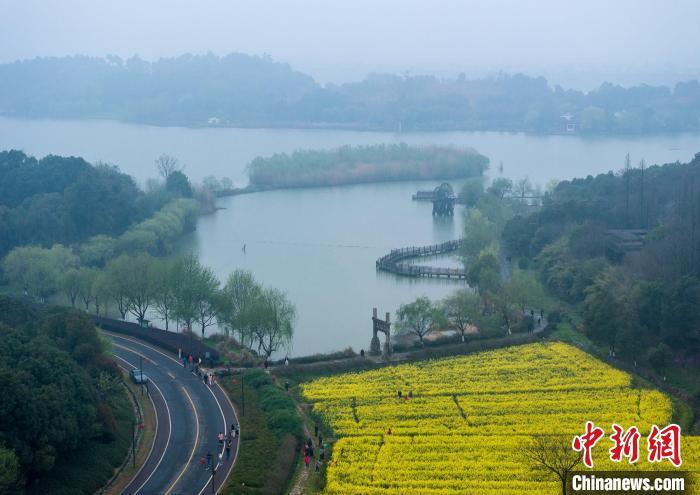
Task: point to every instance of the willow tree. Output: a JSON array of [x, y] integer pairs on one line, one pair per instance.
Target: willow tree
[[187, 270], [209, 300], [461, 308], [239, 292], [420, 318], [164, 280], [273, 320]]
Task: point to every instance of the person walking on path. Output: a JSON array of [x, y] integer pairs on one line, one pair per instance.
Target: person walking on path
[[307, 461], [221, 438], [189, 359], [228, 449]]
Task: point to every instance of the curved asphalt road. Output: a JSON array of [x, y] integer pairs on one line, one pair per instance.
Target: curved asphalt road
[[189, 416]]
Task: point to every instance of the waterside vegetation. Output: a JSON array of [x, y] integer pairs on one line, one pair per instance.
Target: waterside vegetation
[[361, 164]]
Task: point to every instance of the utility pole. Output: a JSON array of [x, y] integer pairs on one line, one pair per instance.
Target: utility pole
[[141, 373], [642, 166], [133, 443], [213, 484], [627, 190], [242, 395]]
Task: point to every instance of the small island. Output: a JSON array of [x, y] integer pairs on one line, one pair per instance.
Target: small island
[[363, 164]]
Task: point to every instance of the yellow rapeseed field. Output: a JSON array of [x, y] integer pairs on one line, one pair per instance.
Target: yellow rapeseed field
[[464, 429]]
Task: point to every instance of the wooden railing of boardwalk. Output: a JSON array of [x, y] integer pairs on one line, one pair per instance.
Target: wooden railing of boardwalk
[[392, 262]]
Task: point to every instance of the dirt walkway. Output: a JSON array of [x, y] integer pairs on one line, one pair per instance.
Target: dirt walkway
[[300, 481]]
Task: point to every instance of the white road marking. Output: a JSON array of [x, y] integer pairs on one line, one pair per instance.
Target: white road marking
[[153, 443], [213, 394], [170, 427], [194, 447]]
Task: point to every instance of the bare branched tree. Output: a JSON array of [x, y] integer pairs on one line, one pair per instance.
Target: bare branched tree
[[522, 188], [167, 164], [553, 454]]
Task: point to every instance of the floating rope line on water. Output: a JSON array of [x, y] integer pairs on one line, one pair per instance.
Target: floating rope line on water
[[313, 244], [309, 244]]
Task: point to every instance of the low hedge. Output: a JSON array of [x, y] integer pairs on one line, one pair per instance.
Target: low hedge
[[271, 431], [317, 358]]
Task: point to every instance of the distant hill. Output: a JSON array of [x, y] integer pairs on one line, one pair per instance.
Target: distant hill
[[248, 91], [187, 90]]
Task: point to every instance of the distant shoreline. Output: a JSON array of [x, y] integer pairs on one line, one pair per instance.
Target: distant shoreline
[[342, 127], [239, 191]]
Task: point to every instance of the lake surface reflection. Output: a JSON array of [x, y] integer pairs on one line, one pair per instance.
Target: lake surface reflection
[[320, 245]]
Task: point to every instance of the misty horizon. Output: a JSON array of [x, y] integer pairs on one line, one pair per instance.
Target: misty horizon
[[575, 46], [494, 73]]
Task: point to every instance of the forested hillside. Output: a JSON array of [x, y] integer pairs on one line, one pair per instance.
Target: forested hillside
[[67, 200], [62, 402], [625, 248], [247, 91]]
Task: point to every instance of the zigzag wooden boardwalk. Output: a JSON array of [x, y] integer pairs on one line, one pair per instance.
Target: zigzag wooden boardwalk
[[392, 262]]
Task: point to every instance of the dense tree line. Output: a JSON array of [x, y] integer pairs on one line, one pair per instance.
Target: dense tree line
[[40, 272], [358, 164], [177, 290], [58, 389], [59, 199], [241, 90], [65, 200], [643, 303]]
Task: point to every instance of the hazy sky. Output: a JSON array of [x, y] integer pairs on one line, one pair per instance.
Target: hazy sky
[[572, 42]]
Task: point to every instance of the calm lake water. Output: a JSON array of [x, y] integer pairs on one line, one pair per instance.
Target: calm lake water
[[320, 245]]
